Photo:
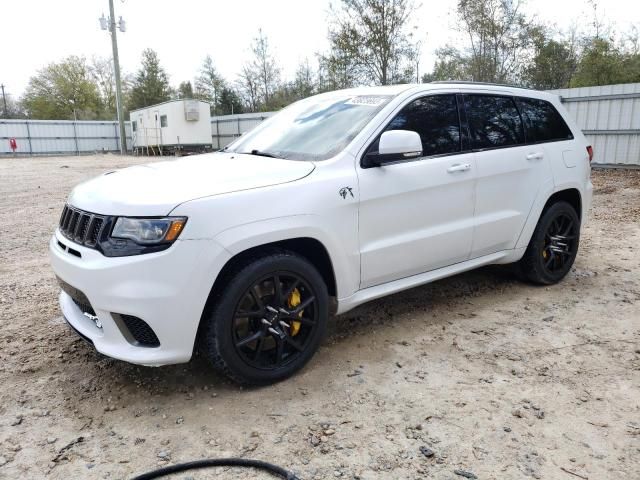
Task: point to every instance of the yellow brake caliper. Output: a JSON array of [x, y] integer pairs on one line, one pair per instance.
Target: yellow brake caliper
[[293, 301]]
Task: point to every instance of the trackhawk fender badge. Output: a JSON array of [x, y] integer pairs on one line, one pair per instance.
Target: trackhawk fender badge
[[344, 191]]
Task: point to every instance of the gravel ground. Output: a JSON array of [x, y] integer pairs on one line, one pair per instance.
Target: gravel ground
[[477, 373]]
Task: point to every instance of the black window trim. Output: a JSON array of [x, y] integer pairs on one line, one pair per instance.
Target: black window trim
[[513, 99], [527, 142], [465, 131], [461, 113], [524, 125]]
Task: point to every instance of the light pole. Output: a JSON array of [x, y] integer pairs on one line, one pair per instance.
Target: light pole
[[110, 24], [4, 100]]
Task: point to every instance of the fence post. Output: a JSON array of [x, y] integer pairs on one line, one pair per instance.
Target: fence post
[[75, 137], [115, 127], [29, 137]]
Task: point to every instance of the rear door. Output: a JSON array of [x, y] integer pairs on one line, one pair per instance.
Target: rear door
[[417, 215], [545, 127], [510, 173]]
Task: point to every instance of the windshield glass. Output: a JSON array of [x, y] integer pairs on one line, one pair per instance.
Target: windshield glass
[[315, 128]]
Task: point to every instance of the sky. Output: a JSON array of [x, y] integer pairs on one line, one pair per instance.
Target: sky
[[34, 33]]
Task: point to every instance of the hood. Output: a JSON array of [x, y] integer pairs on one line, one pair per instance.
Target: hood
[[156, 188]]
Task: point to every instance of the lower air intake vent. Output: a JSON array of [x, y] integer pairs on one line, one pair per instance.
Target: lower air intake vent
[[140, 331], [85, 307]]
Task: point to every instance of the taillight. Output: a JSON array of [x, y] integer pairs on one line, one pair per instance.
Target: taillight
[[590, 152]]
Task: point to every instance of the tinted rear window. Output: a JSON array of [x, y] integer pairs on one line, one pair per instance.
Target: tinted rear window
[[493, 121], [435, 118], [542, 121]]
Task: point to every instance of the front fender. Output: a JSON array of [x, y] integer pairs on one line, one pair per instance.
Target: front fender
[[346, 263]]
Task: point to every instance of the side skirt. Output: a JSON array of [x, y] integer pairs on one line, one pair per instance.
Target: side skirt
[[378, 291]]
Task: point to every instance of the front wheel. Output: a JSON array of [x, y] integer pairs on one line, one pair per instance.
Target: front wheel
[[267, 319], [553, 246]]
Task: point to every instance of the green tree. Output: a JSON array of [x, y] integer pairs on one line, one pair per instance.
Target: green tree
[[151, 83], [340, 67], [601, 63], [553, 64], [304, 83], [185, 90], [450, 65], [209, 85], [229, 102], [63, 91], [370, 42]]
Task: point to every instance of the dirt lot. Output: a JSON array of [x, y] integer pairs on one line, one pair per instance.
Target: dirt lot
[[495, 377]]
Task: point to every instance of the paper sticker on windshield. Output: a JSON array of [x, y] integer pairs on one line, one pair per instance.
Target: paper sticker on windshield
[[368, 100]]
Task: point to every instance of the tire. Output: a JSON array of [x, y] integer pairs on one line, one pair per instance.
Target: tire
[[253, 333], [553, 246]]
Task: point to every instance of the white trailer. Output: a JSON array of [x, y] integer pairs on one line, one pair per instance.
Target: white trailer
[[175, 126]]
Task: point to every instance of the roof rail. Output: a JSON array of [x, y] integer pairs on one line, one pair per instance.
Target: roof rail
[[468, 82]]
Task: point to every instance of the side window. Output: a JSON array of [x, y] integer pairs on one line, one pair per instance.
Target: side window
[[134, 125], [493, 121], [542, 121], [435, 118], [163, 120]]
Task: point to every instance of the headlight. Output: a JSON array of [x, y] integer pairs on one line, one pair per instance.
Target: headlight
[[149, 231]]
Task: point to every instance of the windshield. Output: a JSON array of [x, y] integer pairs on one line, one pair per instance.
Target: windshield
[[315, 128]]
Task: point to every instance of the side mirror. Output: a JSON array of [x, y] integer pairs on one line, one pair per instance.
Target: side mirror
[[394, 145], [403, 143]]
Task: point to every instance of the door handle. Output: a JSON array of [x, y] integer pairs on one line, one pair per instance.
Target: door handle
[[535, 156], [459, 167]]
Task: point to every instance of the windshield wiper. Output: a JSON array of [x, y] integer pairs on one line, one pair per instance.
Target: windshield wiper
[[261, 154]]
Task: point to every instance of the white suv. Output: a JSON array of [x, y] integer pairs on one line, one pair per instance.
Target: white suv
[[348, 195]]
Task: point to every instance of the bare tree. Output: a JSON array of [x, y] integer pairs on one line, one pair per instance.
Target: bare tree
[[102, 72], [248, 86], [370, 39], [266, 67], [498, 36], [304, 83]]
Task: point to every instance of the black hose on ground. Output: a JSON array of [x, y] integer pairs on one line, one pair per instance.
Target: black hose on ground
[[219, 462]]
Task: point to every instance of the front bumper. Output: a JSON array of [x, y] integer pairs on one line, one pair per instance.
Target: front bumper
[[167, 290]]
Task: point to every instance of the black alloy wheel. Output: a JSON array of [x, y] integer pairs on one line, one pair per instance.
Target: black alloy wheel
[[560, 243], [274, 321], [553, 246], [267, 318]]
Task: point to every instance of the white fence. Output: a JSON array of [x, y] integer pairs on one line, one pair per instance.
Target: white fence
[[51, 137], [609, 116], [227, 127]]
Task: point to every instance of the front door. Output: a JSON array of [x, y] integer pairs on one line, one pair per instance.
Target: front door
[[417, 215]]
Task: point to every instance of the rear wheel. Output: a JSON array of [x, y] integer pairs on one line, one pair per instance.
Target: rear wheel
[[268, 319], [553, 246]]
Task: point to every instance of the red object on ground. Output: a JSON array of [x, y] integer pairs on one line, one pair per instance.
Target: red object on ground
[[12, 144]]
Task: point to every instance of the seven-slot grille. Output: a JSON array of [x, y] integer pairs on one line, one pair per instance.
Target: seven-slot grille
[[80, 226]]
